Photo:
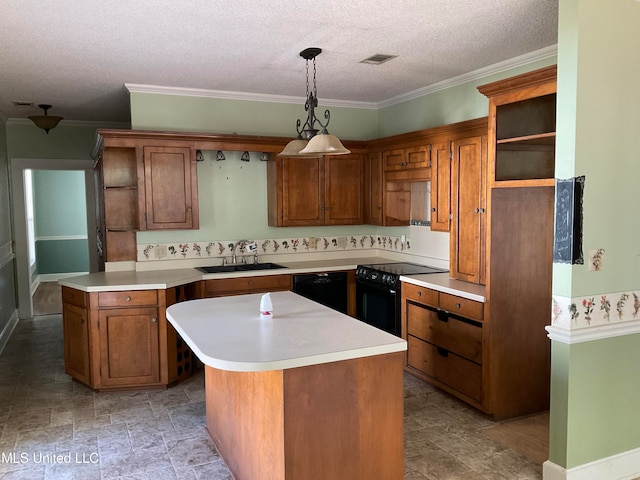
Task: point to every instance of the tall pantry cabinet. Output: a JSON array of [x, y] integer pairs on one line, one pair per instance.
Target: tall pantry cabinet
[[520, 222]]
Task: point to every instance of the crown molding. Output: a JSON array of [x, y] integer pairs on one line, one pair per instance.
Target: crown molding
[[515, 62], [253, 97], [479, 74], [74, 123]]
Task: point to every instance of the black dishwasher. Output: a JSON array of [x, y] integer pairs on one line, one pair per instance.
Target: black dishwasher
[[329, 289]]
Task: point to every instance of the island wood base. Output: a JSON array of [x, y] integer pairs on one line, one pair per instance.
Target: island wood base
[[339, 420]]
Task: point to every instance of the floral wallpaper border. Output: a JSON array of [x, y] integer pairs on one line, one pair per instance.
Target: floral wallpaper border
[[223, 248], [595, 310]]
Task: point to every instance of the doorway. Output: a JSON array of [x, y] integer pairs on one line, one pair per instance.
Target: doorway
[[21, 224]]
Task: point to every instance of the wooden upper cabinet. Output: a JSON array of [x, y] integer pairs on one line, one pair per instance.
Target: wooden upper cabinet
[[468, 206], [170, 189], [407, 158], [315, 191], [372, 189], [302, 191], [440, 186], [343, 189], [522, 129]]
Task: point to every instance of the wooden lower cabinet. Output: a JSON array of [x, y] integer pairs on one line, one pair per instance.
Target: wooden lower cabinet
[[242, 285], [444, 336], [121, 339], [495, 363], [75, 327], [129, 346]]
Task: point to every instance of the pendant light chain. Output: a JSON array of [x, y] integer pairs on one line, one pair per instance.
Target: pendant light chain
[[315, 87], [308, 78], [313, 139]]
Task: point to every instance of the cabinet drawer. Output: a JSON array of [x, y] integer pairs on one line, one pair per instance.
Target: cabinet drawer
[[446, 367], [456, 336], [232, 286], [420, 294], [127, 298], [462, 306], [74, 297]]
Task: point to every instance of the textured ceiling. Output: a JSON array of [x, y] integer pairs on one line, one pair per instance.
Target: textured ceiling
[[77, 55]]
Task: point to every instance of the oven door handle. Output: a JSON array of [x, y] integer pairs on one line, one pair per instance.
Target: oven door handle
[[376, 286]]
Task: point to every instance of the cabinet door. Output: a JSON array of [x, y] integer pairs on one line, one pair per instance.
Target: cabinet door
[[343, 190], [171, 190], [76, 342], [468, 197], [373, 189], [418, 157], [440, 187], [394, 159], [302, 191], [129, 346]]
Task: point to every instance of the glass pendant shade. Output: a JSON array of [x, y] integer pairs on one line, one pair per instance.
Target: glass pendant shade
[[325, 144], [316, 144], [45, 122], [294, 147]]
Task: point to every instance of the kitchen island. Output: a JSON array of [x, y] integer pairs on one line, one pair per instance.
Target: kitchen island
[[310, 394]]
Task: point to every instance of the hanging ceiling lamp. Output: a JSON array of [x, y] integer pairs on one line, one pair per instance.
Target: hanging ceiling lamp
[[309, 142], [45, 122]]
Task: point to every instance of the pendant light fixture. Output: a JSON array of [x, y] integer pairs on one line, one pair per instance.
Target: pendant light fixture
[[313, 141], [45, 122]]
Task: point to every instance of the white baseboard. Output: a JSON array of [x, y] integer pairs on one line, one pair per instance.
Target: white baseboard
[[623, 466], [8, 330], [52, 277]]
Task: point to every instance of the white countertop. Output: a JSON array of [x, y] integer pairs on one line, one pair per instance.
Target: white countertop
[[443, 283], [227, 333], [162, 279], [131, 280]]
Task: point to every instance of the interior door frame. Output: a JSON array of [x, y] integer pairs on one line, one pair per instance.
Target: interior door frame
[[18, 166]]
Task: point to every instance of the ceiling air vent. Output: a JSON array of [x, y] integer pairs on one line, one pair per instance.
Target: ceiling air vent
[[22, 104], [377, 59]]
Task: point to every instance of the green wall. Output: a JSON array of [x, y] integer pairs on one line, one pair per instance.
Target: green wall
[[595, 385], [448, 105], [232, 194], [246, 117], [60, 210], [65, 141], [7, 276]]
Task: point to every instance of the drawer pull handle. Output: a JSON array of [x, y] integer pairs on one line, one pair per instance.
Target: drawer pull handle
[[154, 320], [442, 352], [458, 305], [127, 299]]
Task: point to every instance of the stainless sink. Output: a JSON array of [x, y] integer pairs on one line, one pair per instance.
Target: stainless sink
[[240, 267]]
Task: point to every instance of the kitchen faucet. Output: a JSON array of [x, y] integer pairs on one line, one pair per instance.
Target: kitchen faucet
[[245, 245]]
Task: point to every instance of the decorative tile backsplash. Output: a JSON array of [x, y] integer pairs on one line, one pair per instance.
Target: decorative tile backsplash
[[595, 310], [224, 248]]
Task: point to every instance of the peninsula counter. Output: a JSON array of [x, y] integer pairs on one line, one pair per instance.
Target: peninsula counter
[[310, 394]]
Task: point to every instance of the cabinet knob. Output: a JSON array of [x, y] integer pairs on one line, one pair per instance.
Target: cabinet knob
[[127, 298], [482, 210], [419, 294], [458, 305], [476, 210], [433, 209], [154, 320]]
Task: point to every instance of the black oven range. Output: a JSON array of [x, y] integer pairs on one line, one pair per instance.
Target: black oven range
[[378, 295]]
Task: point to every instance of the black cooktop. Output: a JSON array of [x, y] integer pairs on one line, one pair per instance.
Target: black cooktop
[[402, 268]]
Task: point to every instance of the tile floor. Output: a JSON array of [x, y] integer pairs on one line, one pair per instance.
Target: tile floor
[[54, 428]]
